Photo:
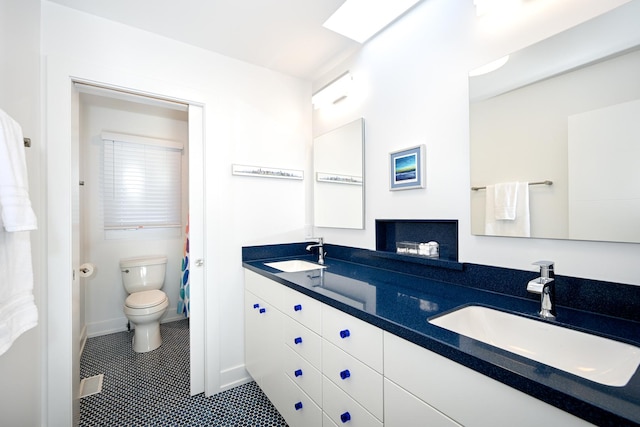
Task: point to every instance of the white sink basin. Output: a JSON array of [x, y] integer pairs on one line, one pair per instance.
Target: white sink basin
[[294, 265], [592, 357]]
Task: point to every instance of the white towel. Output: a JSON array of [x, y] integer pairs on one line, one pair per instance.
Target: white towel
[[18, 312], [505, 200], [519, 226], [15, 207]]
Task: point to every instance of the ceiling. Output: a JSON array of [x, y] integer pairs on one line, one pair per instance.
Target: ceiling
[[283, 35]]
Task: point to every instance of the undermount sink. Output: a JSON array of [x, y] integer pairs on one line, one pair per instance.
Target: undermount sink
[[294, 265], [595, 358]]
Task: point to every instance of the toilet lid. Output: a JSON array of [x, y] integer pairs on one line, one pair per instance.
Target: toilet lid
[[145, 299]]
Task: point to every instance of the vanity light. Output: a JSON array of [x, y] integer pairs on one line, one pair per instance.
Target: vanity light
[[491, 66], [334, 92], [361, 19]]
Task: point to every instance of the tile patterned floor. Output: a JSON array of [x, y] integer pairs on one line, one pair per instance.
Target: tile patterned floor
[[152, 389]]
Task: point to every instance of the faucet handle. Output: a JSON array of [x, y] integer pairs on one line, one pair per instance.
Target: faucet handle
[[546, 269]]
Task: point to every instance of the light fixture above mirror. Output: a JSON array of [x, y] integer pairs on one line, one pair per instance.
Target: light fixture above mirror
[[334, 92]]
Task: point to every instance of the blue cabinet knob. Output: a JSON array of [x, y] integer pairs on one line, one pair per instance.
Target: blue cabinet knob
[[298, 373], [298, 406], [345, 417], [345, 333], [256, 305], [345, 374], [297, 307], [297, 340], [263, 310]]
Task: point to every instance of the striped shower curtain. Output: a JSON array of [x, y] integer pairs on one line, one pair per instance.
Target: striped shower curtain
[[183, 303]]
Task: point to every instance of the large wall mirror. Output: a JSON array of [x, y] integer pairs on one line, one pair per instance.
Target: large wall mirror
[[565, 110], [338, 186]]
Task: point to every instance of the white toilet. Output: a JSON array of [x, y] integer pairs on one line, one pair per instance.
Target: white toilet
[[143, 278]]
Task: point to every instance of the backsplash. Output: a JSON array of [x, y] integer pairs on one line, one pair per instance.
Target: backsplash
[[607, 298]]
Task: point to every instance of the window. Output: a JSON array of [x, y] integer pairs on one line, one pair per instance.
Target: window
[[142, 182]]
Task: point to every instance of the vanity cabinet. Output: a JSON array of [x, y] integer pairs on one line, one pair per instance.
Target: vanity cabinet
[[321, 367]]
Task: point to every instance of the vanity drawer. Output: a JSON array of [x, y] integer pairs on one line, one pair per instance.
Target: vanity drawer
[[358, 338], [297, 408], [264, 288], [303, 308], [354, 377], [303, 341], [343, 409], [303, 374]]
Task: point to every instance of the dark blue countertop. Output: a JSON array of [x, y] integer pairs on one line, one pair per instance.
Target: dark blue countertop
[[402, 304]]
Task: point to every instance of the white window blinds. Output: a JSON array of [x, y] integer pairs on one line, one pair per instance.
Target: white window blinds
[[142, 182]]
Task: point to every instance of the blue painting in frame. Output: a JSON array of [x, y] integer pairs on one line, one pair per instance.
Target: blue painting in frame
[[407, 168]]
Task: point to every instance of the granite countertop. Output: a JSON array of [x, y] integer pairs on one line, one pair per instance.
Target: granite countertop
[[402, 304]]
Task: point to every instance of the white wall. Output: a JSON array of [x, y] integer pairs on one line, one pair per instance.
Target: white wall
[[20, 368], [411, 88], [105, 294], [252, 116]]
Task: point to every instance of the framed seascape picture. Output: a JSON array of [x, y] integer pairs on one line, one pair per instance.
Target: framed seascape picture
[[407, 168]]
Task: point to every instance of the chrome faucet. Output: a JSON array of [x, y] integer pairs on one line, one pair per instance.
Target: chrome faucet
[[545, 285], [321, 252]]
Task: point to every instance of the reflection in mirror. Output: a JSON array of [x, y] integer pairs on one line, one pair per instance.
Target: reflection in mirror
[[565, 110], [338, 186]]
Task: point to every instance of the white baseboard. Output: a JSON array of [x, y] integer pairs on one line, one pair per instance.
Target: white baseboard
[[119, 324], [233, 377], [83, 339]]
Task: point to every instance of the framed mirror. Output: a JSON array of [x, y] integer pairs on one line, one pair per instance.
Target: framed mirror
[[338, 180], [565, 110]]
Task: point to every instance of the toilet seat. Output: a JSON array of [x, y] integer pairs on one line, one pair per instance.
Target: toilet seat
[[145, 299], [144, 303]]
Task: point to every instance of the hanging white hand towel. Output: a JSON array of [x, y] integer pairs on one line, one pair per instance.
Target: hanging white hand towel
[[507, 211], [505, 200], [18, 312]]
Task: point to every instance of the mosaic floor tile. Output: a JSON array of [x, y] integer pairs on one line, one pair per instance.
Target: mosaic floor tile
[[152, 389]]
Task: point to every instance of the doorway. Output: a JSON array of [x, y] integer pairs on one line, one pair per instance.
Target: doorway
[[62, 338]]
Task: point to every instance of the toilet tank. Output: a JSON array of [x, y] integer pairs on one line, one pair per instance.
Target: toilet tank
[[144, 273]]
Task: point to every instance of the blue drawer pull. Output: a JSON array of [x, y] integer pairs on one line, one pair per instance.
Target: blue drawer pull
[[256, 305], [298, 373], [298, 406], [345, 417], [297, 340], [345, 333], [262, 310], [345, 374], [297, 307]]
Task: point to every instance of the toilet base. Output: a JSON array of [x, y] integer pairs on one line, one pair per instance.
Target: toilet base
[[146, 337]]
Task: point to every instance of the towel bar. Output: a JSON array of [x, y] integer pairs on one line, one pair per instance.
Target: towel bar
[[547, 182]]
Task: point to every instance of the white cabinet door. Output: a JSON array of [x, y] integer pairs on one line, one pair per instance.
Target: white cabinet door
[[253, 336], [466, 396], [263, 343], [402, 409]]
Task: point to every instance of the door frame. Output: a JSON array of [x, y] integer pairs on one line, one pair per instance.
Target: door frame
[[61, 302]]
